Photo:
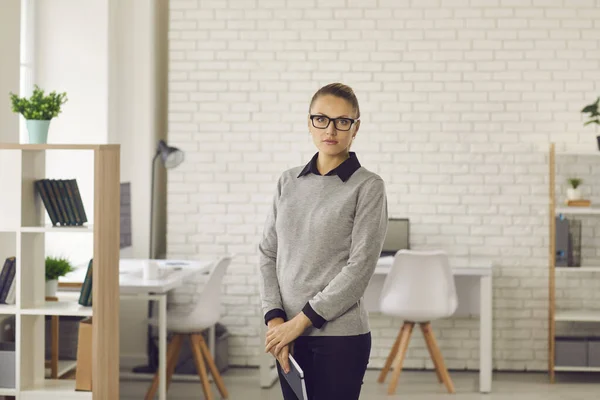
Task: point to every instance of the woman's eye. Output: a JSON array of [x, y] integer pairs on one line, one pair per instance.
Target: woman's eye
[[320, 119], [344, 122]]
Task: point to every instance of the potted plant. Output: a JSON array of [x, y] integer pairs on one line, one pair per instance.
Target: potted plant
[[574, 193], [55, 268], [38, 111], [594, 115]]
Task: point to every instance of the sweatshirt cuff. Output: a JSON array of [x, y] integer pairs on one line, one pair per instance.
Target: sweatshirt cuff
[[315, 318], [275, 313]]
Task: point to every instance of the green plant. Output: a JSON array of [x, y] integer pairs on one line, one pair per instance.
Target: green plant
[[57, 267], [575, 182], [39, 106], [594, 111]]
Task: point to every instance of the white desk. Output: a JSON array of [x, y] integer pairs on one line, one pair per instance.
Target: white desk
[[132, 285], [474, 290]]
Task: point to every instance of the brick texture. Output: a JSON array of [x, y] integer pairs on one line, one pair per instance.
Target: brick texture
[[459, 101]]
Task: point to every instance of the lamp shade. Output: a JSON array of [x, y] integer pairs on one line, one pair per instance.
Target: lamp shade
[[170, 156]]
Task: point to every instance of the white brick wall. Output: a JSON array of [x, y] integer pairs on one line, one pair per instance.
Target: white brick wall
[[459, 100]]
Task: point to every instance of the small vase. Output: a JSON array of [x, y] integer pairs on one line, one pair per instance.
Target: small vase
[[38, 131], [51, 287], [573, 194]]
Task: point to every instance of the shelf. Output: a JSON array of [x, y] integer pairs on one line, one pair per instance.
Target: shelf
[[50, 228], [578, 269], [578, 210], [577, 315], [8, 392], [66, 146], [8, 309], [54, 389], [584, 153], [66, 308], [64, 367], [577, 369]]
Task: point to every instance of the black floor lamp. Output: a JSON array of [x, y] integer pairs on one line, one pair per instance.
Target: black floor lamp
[[170, 157]]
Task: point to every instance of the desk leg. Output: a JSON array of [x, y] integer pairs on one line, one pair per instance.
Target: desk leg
[[162, 347], [485, 335], [212, 340]]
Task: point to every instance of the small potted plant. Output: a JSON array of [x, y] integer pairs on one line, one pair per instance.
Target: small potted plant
[[573, 192], [55, 268], [38, 111], [594, 115]]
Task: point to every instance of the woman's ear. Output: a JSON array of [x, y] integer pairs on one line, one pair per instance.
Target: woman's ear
[[356, 128]]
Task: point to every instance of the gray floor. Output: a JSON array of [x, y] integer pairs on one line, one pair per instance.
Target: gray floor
[[414, 385]]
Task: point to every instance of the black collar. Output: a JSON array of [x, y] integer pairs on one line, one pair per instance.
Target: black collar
[[344, 171]]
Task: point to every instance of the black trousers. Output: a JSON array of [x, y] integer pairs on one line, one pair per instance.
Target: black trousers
[[334, 366]]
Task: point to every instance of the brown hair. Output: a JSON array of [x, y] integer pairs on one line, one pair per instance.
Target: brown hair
[[339, 90]]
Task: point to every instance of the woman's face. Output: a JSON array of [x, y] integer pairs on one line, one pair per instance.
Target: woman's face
[[331, 140]]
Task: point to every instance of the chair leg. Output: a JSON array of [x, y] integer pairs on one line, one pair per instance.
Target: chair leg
[[172, 360], [431, 351], [201, 367], [390, 358], [402, 347], [437, 356], [174, 347], [212, 366]]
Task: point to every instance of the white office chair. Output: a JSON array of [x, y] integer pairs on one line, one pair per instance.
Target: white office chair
[[205, 314], [419, 288]]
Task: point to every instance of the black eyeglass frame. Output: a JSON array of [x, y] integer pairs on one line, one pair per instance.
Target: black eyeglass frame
[[352, 121]]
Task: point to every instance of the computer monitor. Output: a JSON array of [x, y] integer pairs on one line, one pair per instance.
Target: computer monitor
[[397, 237]]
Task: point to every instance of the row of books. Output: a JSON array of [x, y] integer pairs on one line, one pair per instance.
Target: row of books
[[85, 296], [62, 201], [8, 281]]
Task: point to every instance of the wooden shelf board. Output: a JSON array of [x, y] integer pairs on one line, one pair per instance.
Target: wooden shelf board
[[577, 315], [50, 228], [578, 269], [66, 308], [578, 210], [8, 392], [8, 309], [55, 388], [576, 369], [57, 146]]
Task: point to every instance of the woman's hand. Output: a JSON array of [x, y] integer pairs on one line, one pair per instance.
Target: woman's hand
[[283, 358], [283, 355], [281, 335]]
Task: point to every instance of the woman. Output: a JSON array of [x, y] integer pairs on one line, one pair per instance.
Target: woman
[[321, 242]]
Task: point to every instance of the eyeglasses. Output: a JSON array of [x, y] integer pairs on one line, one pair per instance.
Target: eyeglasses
[[341, 124]]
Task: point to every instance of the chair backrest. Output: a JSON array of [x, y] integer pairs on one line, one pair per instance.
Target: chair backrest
[[420, 286], [207, 310]]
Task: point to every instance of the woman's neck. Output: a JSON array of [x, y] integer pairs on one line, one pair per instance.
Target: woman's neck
[[326, 163]]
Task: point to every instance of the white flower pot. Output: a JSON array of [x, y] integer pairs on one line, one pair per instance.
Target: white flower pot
[[51, 287], [573, 194]]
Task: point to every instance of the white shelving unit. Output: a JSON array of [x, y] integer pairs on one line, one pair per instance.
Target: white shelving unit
[[22, 234], [558, 315]]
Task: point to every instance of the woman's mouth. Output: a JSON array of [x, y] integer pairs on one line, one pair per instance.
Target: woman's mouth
[[331, 142]]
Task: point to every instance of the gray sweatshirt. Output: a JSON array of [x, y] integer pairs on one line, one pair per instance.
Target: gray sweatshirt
[[321, 242]]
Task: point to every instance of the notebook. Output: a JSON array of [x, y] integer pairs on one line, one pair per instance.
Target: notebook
[[295, 379]]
